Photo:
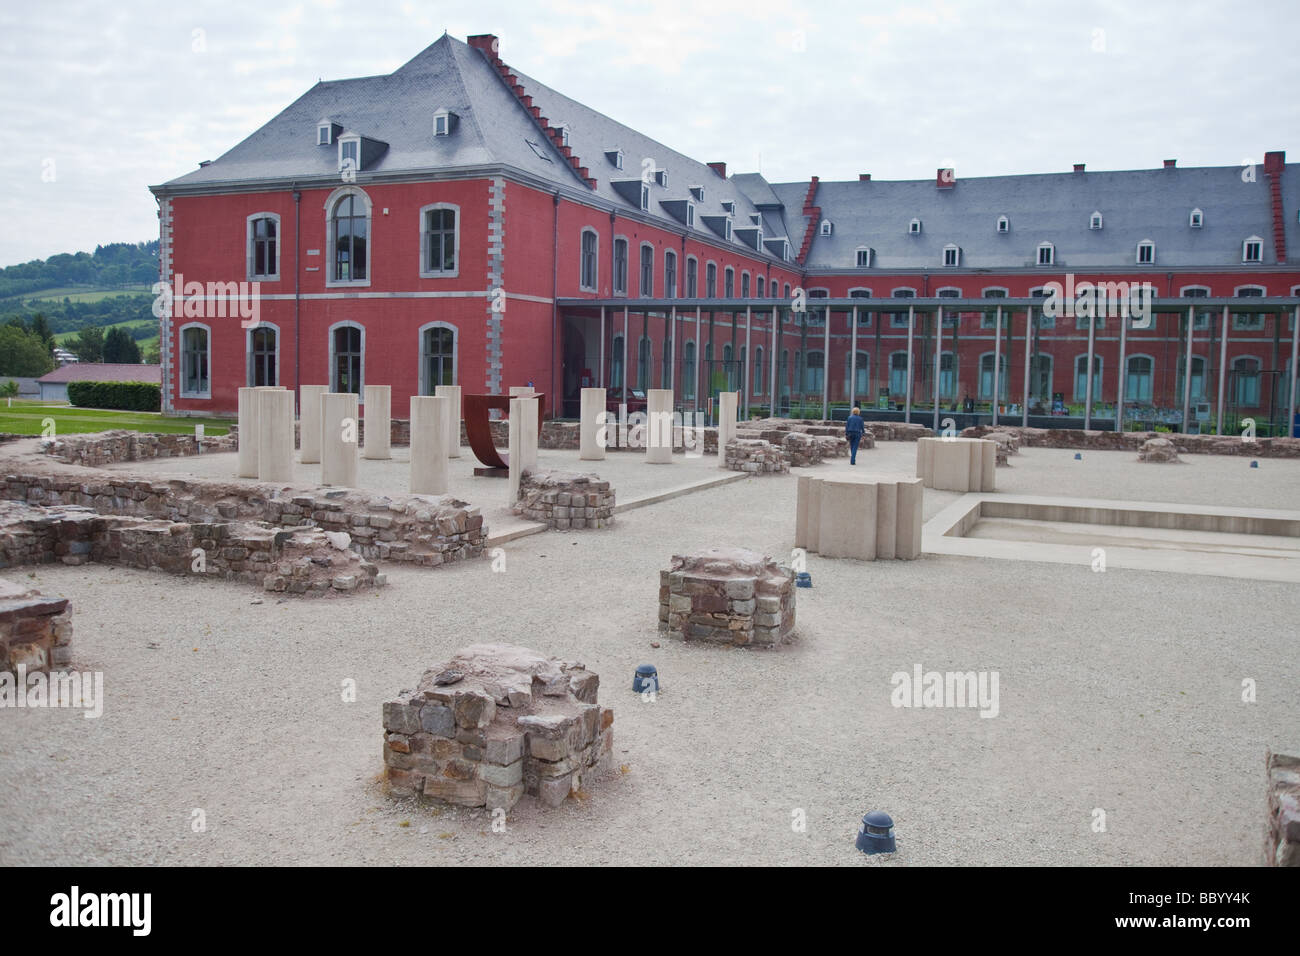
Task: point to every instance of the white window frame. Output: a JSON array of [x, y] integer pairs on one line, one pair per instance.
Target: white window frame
[[914, 227], [454, 272], [348, 140], [645, 198], [207, 394], [1096, 220], [615, 288], [1238, 325], [729, 207], [1245, 249], [248, 249], [713, 292], [328, 130], [1145, 244], [1050, 249], [690, 214], [1003, 375], [858, 257], [1099, 376], [333, 366], [670, 288], [1130, 393], [955, 250], [641, 270], [331, 201], [726, 231], [827, 228], [686, 278], [729, 282], [1196, 219], [422, 377], [443, 118], [697, 192], [1004, 225], [248, 352], [595, 268], [745, 286]]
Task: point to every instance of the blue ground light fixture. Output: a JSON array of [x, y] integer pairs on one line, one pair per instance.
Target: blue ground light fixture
[[1078, 457], [876, 835], [803, 579], [647, 678]]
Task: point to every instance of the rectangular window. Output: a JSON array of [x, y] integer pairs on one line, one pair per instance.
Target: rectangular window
[[647, 272], [440, 241], [620, 267], [589, 260], [692, 279], [730, 284], [265, 256], [670, 274], [711, 281], [1252, 251], [194, 370]]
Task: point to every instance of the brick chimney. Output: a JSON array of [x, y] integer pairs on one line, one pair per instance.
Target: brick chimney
[[1274, 162], [945, 178], [488, 43], [1078, 167], [864, 177], [1170, 163], [719, 168]]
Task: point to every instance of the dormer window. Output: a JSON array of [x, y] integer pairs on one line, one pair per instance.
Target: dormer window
[[324, 134], [350, 153], [755, 218], [645, 197], [563, 130], [697, 193], [726, 230], [1094, 221], [690, 214], [827, 227], [1046, 254], [914, 227], [729, 207], [1252, 250], [615, 157], [444, 121], [951, 255], [863, 257], [661, 177], [1197, 219], [1004, 224], [1146, 253]]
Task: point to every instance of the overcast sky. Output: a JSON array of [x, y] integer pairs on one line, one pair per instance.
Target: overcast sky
[[103, 99]]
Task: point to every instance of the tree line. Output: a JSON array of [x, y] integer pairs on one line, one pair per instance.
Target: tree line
[[27, 347]]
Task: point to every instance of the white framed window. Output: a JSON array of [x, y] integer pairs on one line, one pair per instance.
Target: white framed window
[[985, 391], [862, 370], [1138, 378], [263, 229], [442, 123], [1046, 254], [898, 320], [670, 274], [615, 157], [726, 229], [439, 241], [989, 319], [262, 346], [692, 277], [761, 286], [690, 214], [620, 265], [563, 130], [1196, 219], [347, 342], [758, 370], [1004, 224], [898, 371], [196, 360], [1146, 253], [697, 192], [914, 227], [647, 270], [729, 283], [1252, 250], [711, 281], [590, 259], [1094, 221], [1081, 377], [661, 177], [350, 153], [324, 134], [744, 285], [729, 207], [1245, 381], [645, 197], [348, 217], [827, 227], [950, 316], [951, 255], [863, 257], [1201, 319], [437, 353], [1249, 321], [1044, 321]]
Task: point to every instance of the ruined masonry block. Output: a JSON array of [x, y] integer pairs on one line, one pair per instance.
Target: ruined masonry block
[[1282, 834], [728, 595]]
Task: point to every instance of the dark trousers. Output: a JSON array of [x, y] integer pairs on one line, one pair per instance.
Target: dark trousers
[[853, 448]]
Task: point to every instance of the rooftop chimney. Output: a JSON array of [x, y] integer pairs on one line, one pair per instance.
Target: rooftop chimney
[[1078, 167], [486, 42], [1274, 162], [945, 178], [1170, 163], [719, 168], [864, 177]]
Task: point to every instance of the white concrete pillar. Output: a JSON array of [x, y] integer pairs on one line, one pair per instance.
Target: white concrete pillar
[[379, 422], [274, 435], [659, 428], [309, 423], [593, 405], [338, 443], [729, 402], [248, 432], [429, 419], [514, 451], [530, 409], [451, 430]]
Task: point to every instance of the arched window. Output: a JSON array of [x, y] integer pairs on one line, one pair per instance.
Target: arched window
[[620, 266], [347, 357], [860, 375], [437, 357], [898, 373], [616, 363], [670, 274], [692, 278], [1198, 379], [1138, 378], [1081, 377], [986, 377], [439, 241], [814, 373], [590, 250], [263, 355], [349, 238], [759, 284], [666, 375], [263, 247], [647, 271], [711, 281], [196, 361], [787, 291], [645, 364], [688, 370], [729, 286], [744, 285], [758, 370], [948, 375], [1245, 381]]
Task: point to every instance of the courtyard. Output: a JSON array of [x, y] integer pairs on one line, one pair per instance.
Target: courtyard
[[1120, 692]]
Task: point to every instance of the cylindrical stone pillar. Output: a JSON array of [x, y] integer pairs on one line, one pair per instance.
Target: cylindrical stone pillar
[[379, 422], [659, 427], [338, 443], [274, 435], [309, 423], [429, 419], [726, 424], [451, 431], [248, 432], [529, 409], [593, 405]]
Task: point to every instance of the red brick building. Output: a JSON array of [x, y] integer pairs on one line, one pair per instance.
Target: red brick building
[[456, 222]]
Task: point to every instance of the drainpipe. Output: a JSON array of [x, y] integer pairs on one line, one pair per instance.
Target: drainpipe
[[297, 297], [555, 289]]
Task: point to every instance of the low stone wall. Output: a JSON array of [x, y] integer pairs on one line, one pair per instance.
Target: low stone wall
[[565, 500], [35, 631], [775, 429], [1282, 836], [301, 561], [755, 456], [496, 722], [424, 530], [802, 450], [1132, 441], [729, 596], [107, 448]]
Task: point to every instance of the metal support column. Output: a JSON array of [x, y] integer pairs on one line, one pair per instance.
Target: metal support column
[[1223, 373], [1087, 388], [938, 364], [853, 360], [1029, 357], [997, 363], [1187, 373], [911, 332]]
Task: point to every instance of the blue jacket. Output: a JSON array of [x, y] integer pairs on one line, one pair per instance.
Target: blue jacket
[[854, 426]]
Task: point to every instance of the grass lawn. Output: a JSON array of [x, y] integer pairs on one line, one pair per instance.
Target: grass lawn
[[82, 294], [27, 418], [61, 338]]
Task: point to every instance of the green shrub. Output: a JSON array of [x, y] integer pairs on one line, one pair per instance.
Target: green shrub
[[128, 396]]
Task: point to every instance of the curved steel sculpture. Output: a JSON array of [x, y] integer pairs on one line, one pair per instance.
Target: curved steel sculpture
[[478, 427]]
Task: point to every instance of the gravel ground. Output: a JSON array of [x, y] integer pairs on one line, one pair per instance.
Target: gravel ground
[[1119, 691]]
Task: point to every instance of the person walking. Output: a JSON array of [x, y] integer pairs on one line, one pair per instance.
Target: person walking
[[853, 429]]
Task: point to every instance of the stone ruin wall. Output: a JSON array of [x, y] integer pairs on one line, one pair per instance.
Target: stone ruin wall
[[35, 631], [1133, 441], [565, 501]]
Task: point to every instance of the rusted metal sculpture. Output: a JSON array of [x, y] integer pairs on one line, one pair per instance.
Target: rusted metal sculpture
[[478, 429]]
